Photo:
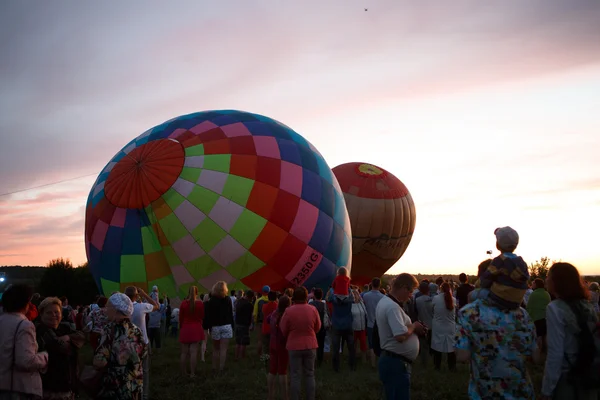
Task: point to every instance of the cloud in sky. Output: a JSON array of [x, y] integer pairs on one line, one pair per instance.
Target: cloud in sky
[[465, 101]]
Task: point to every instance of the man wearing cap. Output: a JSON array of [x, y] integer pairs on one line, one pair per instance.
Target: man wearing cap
[[140, 310], [259, 317]]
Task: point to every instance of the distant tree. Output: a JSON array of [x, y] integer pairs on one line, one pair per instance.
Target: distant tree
[[62, 279], [539, 268]]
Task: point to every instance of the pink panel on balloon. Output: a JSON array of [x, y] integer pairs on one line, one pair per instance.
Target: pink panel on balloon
[[203, 127], [177, 132], [181, 275], [235, 130], [187, 249], [99, 234], [118, 218], [266, 146], [305, 222], [291, 178]]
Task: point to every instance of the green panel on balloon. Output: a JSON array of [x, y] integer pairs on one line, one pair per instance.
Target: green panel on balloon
[[237, 189], [208, 234], [165, 285], [171, 256], [109, 286], [173, 228], [184, 289], [151, 216], [202, 267], [217, 162], [203, 199], [150, 241], [173, 199], [197, 150], [247, 228], [133, 268], [244, 266], [190, 174], [237, 285]]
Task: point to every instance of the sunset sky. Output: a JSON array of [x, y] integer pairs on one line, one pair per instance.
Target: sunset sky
[[487, 111]]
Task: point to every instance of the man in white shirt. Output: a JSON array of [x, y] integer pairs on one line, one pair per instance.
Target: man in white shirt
[[398, 338], [140, 310], [371, 299], [424, 307]]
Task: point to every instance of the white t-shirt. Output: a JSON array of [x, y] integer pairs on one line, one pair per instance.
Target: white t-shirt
[[392, 321], [139, 317]]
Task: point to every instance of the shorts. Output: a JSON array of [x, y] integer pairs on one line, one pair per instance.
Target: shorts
[[242, 335], [540, 327], [278, 362], [361, 337], [370, 337], [221, 332]]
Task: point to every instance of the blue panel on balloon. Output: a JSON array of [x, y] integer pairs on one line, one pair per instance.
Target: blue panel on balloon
[[132, 241], [258, 128], [311, 188], [309, 161], [113, 243], [340, 209], [111, 266], [322, 233], [132, 218], [327, 203], [336, 243], [289, 151]]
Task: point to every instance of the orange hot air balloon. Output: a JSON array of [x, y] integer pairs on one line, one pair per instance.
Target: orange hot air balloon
[[382, 216]]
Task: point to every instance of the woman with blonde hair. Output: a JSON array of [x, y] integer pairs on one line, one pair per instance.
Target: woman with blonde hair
[[191, 332], [62, 344], [219, 319]]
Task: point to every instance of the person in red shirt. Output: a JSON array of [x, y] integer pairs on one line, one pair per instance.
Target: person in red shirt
[[191, 332], [278, 354], [267, 309], [341, 283]]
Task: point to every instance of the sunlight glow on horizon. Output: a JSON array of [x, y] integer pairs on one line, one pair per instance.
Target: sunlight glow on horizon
[[482, 137]]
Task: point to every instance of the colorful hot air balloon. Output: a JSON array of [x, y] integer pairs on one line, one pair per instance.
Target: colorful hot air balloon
[[382, 215], [216, 195]]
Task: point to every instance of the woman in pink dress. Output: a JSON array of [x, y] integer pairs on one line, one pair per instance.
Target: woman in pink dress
[[191, 333]]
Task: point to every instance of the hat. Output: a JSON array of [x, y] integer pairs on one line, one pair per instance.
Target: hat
[[507, 238], [266, 289], [433, 288], [155, 288], [122, 303]]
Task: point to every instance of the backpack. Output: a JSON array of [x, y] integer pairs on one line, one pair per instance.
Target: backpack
[[260, 316], [323, 314], [586, 370]]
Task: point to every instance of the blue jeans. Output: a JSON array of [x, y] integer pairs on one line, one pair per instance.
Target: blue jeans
[[395, 376]]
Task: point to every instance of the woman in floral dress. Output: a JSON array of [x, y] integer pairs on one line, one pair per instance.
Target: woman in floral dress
[[120, 352]]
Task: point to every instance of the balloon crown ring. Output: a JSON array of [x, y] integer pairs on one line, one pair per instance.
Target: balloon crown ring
[[370, 171]]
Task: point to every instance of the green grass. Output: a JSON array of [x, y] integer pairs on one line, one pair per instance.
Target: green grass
[[246, 379]]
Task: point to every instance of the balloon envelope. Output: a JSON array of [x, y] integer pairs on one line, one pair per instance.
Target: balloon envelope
[[216, 196], [382, 216]]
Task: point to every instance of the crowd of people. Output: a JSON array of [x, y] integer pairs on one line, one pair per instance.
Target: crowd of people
[[495, 325]]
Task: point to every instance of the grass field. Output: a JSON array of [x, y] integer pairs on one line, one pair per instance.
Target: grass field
[[246, 379]]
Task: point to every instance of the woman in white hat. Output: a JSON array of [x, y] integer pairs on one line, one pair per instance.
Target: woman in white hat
[[120, 352]]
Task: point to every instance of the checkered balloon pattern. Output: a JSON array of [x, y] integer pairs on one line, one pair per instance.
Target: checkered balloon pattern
[[216, 196]]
